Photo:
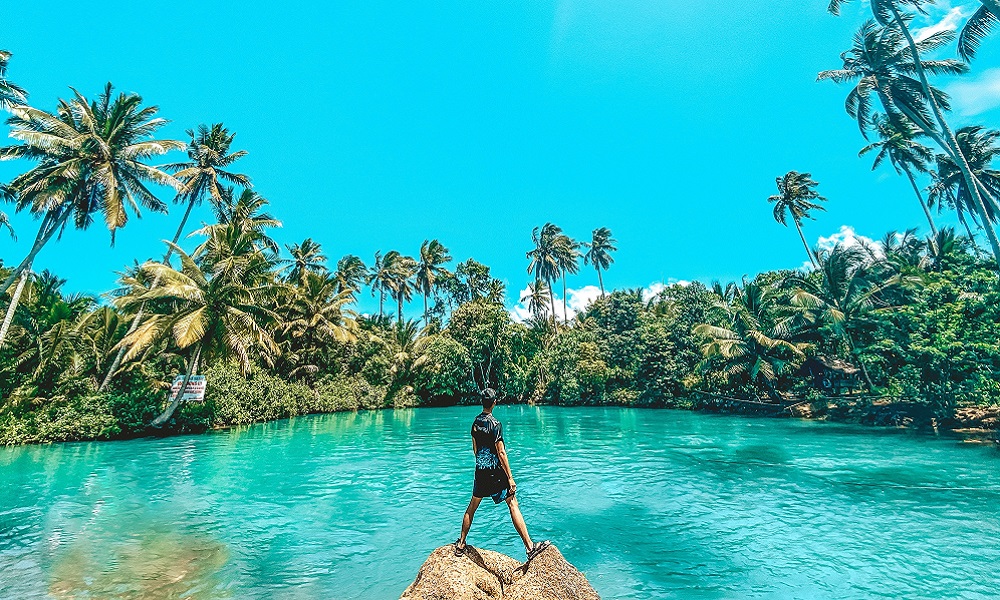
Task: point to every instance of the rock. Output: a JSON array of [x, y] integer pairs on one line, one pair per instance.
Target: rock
[[487, 575]]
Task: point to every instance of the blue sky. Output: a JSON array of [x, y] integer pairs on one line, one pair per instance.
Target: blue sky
[[376, 125]]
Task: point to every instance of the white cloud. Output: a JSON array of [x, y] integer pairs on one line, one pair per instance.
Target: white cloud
[[976, 95], [950, 21], [846, 237], [578, 299]]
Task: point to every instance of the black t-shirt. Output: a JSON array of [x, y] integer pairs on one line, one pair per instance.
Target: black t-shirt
[[487, 431]]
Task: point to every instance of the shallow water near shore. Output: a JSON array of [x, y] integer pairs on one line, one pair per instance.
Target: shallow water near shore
[[647, 503]]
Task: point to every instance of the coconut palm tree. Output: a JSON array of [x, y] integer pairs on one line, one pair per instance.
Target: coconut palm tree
[[544, 260], [796, 197], [90, 159], [400, 280], [433, 254], [311, 318], [897, 143], [306, 257], [6, 196], [842, 298], [207, 314], [201, 177], [899, 93], [378, 278], [11, 94], [977, 28], [752, 342], [599, 250], [496, 291], [980, 147], [537, 296], [568, 258], [246, 214], [351, 274]]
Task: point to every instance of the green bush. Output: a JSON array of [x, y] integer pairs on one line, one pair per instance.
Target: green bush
[[59, 420]]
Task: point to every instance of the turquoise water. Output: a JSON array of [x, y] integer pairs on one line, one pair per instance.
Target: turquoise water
[[648, 504]]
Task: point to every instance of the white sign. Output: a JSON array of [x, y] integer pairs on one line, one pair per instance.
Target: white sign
[[194, 392]]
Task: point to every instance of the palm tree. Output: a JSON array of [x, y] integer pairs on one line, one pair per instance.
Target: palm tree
[[246, 214], [206, 314], [796, 196], [313, 316], [599, 251], [544, 261], [11, 94], [209, 156], [885, 66], [202, 175], [306, 257], [378, 278], [399, 282], [897, 142], [351, 274], [433, 254], [90, 158], [977, 28], [496, 291], [752, 343], [6, 196], [842, 297], [537, 295], [568, 257], [979, 147]]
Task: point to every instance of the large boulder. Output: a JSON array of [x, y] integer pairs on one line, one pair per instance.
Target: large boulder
[[487, 575]]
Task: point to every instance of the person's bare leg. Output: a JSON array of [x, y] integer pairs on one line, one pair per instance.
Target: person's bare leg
[[518, 520], [467, 519]]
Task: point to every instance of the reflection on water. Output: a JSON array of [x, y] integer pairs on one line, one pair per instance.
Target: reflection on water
[[148, 565], [649, 504]]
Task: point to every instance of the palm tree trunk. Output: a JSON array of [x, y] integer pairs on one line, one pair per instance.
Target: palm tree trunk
[[381, 302], [399, 308], [45, 232], [861, 363], [169, 411], [923, 205], [9, 317], [600, 280], [968, 230], [425, 310], [142, 308], [552, 300], [565, 312], [805, 244], [951, 141]]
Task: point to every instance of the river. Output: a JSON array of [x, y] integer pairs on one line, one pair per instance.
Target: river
[[647, 503]]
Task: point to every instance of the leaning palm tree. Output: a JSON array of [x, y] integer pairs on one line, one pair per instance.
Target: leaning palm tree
[[433, 254], [11, 94], [599, 251], [306, 257], [897, 143], [201, 177], [796, 196], [979, 25], [351, 274], [91, 158], [980, 147], [884, 62], [207, 315], [544, 261]]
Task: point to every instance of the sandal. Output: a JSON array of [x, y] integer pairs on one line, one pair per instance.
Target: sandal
[[537, 549], [460, 550]]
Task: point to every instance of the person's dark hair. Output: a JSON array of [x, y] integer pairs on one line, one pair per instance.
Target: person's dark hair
[[488, 397]]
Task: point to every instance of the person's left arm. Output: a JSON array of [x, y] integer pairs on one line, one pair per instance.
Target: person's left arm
[[502, 454]]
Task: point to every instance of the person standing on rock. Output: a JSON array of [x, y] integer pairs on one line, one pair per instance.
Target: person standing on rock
[[493, 476]]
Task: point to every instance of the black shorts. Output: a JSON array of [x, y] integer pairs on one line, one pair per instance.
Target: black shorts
[[492, 483]]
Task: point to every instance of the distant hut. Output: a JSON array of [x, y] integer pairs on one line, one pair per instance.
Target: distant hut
[[831, 375]]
